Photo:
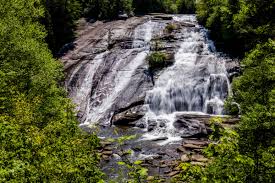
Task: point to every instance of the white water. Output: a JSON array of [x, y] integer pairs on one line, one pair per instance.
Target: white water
[[121, 76], [83, 90], [196, 83]]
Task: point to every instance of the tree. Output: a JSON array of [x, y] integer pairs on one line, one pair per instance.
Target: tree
[[40, 139], [59, 20]]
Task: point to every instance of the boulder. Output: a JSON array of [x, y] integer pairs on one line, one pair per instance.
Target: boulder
[[187, 24], [192, 146], [185, 158], [191, 127], [172, 174], [162, 17], [152, 124], [128, 117], [199, 158]]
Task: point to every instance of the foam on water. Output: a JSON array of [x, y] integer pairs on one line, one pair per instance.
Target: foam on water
[[120, 77], [197, 82]]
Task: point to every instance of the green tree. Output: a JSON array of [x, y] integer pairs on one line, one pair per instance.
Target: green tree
[[59, 20], [40, 140]]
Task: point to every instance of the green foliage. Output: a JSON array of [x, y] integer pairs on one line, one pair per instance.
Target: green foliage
[[157, 60], [40, 139], [231, 107], [171, 27], [237, 26], [258, 79], [107, 9], [121, 140], [164, 6], [59, 21], [136, 173]]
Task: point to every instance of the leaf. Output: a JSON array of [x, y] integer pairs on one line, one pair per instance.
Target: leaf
[[121, 163], [143, 172], [138, 162]]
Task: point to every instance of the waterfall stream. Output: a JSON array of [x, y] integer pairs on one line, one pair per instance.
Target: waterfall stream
[[197, 83], [109, 73]]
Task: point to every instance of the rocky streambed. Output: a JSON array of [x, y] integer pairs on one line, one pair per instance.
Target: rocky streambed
[[168, 111]]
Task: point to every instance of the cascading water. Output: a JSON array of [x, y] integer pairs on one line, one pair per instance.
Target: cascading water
[[196, 83], [125, 63]]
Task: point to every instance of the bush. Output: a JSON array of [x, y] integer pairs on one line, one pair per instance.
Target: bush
[[171, 27], [157, 60], [231, 107]]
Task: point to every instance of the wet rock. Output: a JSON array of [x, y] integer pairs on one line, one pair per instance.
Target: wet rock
[[141, 125], [191, 127], [187, 24], [128, 117], [137, 148], [151, 125], [185, 158], [161, 153], [233, 68], [159, 139], [162, 124], [162, 17]]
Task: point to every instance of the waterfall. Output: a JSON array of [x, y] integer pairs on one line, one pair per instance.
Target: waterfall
[[124, 64], [196, 83]]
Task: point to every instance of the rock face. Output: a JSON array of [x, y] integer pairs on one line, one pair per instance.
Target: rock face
[[106, 70], [107, 77]]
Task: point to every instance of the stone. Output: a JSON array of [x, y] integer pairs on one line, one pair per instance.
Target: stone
[[151, 125], [185, 158], [106, 158], [137, 148], [162, 124], [196, 142], [162, 17], [177, 168], [107, 152], [187, 24], [192, 146], [159, 139], [108, 148], [116, 156], [128, 117], [198, 163], [141, 125], [198, 158], [181, 149], [105, 143], [172, 174], [150, 178]]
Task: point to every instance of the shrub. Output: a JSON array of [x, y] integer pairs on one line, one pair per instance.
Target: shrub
[[157, 60], [171, 27]]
